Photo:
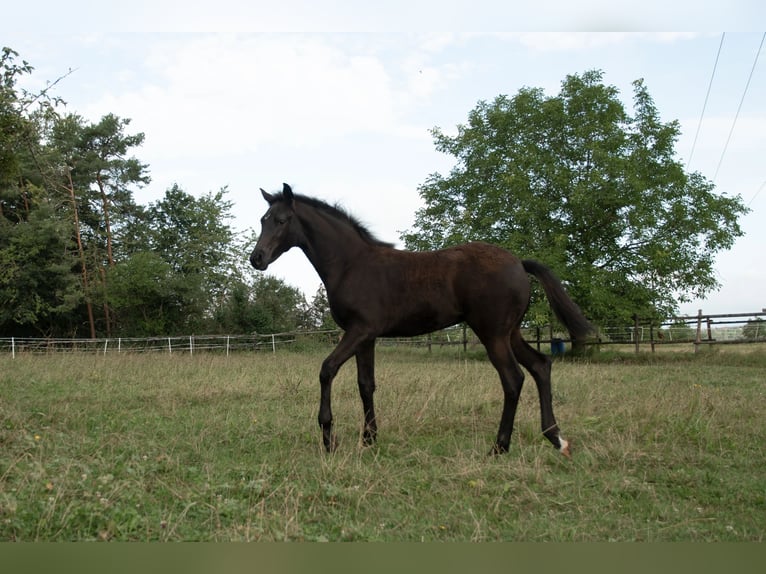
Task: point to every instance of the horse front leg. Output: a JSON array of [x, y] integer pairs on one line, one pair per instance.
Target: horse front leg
[[365, 370], [347, 347], [326, 376]]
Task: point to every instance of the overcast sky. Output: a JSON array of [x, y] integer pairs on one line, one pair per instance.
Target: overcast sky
[[339, 101]]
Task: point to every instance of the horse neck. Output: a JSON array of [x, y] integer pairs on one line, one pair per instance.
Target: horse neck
[[331, 245]]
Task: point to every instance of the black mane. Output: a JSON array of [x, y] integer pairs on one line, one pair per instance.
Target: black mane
[[337, 212]]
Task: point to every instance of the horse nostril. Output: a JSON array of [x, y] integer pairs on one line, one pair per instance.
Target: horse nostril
[[256, 259]]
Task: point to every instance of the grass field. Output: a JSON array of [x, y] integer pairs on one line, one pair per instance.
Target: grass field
[[157, 447]]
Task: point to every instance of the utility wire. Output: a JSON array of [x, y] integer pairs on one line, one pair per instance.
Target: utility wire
[[710, 85], [760, 189], [723, 153]]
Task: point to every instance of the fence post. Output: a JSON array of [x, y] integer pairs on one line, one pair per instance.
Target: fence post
[[651, 334], [635, 331], [465, 338], [227, 345], [106, 344], [698, 338], [13, 347], [191, 344], [273, 344], [170, 347], [537, 331]]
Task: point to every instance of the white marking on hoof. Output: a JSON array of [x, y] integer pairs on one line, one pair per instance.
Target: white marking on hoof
[[564, 448]]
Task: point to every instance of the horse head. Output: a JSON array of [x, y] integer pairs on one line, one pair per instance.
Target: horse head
[[280, 229]]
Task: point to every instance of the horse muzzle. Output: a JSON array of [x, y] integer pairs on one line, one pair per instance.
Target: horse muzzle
[[259, 260]]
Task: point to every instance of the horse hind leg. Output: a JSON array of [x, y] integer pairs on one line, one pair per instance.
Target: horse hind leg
[[365, 369], [512, 380], [539, 366]]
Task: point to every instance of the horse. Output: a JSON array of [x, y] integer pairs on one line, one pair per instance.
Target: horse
[[375, 290]]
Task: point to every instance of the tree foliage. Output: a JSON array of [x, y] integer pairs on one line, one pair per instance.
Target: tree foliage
[[319, 311], [37, 286], [80, 257], [595, 192]]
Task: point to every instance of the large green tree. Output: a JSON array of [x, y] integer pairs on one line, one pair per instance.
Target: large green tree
[[580, 183], [105, 169], [148, 297], [16, 129], [38, 293], [194, 235], [90, 167], [183, 246], [261, 304], [78, 255]]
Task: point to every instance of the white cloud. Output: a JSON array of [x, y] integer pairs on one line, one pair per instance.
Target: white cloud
[[245, 92]]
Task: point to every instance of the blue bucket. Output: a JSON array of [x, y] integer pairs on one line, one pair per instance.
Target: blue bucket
[[557, 347]]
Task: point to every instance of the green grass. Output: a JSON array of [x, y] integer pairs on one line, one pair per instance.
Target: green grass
[[157, 447]]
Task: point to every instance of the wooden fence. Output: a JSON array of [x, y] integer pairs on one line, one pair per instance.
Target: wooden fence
[[702, 329]]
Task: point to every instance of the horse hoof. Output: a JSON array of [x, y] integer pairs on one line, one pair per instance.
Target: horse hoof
[[497, 450], [565, 448], [369, 438], [331, 445]]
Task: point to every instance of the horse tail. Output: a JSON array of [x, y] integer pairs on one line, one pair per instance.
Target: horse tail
[[565, 309]]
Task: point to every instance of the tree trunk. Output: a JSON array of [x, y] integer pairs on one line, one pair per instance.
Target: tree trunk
[[109, 256], [81, 253]]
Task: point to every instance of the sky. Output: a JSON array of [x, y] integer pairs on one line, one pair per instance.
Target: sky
[[338, 99]]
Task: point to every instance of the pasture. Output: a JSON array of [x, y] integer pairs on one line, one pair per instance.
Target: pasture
[[211, 448]]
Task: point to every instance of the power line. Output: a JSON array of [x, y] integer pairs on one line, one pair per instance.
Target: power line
[[760, 189], [710, 85], [752, 70]]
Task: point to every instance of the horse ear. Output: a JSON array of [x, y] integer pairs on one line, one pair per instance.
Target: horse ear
[[287, 193], [267, 196]]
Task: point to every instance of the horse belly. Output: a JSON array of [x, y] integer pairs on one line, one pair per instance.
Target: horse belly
[[417, 327], [412, 314]]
